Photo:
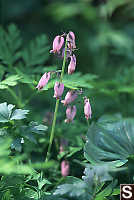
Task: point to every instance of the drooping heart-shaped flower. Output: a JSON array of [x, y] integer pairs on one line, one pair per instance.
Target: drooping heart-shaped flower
[[58, 90], [43, 81], [70, 113], [87, 108], [70, 97], [57, 44], [71, 40], [72, 64]]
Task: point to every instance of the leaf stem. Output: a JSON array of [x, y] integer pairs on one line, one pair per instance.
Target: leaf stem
[[56, 107]]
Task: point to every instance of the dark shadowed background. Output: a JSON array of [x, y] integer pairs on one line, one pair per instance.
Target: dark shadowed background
[[104, 32]]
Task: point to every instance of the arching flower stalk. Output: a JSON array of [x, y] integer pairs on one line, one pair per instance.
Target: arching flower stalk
[[65, 49], [57, 91]]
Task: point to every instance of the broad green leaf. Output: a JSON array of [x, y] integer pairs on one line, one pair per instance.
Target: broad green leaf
[[35, 128], [109, 118], [30, 137], [19, 114], [74, 188], [98, 173], [4, 112], [7, 113], [32, 129], [110, 141]]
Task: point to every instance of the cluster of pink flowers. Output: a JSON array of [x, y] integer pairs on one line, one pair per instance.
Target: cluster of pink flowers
[[59, 48]]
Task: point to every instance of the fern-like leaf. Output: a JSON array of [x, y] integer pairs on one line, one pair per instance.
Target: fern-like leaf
[[37, 52]]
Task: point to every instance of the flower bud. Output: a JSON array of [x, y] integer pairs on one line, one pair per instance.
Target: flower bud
[[70, 97], [58, 89], [57, 44], [65, 168], [43, 81], [87, 108], [71, 40], [72, 64], [70, 113]]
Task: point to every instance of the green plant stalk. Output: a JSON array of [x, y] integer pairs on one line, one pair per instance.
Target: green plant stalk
[[88, 123], [56, 107]]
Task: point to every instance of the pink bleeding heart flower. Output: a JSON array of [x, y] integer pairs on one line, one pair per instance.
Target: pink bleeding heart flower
[[72, 64], [71, 40], [70, 113], [87, 108], [70, 97], [43, 81], [58, 89], [57, 44], [65, 167]]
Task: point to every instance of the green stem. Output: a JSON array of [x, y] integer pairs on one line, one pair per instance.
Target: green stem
[[52, 131], [88, 123], [56, 107], [64, 63]]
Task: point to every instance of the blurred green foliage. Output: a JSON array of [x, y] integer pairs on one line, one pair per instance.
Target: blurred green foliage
[[104, 32]]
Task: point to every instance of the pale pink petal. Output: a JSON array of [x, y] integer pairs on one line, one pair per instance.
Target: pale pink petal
[[65, 167], [58, 89], [57, 44], [43, 81], [87, 109], [70, 113], [70, 97], [71, 40], [72, 64]]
